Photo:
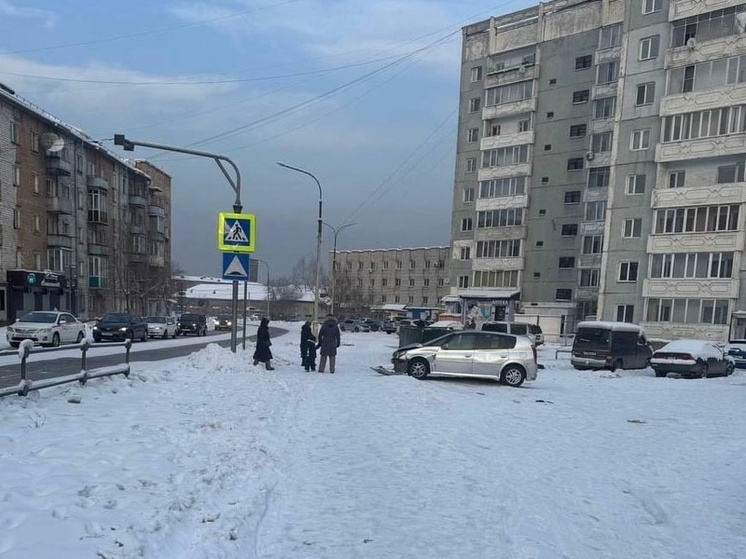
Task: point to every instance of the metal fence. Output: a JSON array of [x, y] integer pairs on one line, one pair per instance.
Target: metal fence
[[26, 385]]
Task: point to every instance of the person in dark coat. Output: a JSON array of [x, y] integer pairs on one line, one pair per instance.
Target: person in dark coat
[[329, 340], [262, 353], [307, 347]]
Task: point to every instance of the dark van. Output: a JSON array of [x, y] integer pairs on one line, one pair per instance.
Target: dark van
[[610, 345]]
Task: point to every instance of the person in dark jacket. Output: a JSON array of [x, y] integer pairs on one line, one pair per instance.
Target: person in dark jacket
[[307, 347], [262, 353], [329, 340]]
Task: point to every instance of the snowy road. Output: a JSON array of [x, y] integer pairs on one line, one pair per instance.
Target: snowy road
[[210, 457]]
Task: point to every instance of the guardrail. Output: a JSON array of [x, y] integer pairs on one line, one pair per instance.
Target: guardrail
[[562, 350], [27, 348]]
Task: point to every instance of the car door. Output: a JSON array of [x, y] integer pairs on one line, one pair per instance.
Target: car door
[[71, 328], [455, 355], [62, 328], [491, 352]]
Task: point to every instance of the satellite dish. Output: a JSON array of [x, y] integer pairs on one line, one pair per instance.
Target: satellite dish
[[52, 142]]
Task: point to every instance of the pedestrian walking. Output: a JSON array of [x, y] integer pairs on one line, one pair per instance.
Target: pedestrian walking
[[329, 340], [307, 347], [262, 353]]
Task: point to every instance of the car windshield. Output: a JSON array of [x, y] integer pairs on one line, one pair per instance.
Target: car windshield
[[115, 317], [224, 317], [43, 317], [186, 317], [160, 319]]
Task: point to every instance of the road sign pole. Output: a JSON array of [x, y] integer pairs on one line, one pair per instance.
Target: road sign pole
[[234, 322], [245, 302]]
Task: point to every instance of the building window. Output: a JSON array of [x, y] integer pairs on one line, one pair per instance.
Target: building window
[[705, 124], [636, 184], [372, 283], [471, 165], [604, 107], [14, 135], [37, 224], [465, 253], [371, 266], [650, 6], [16, 218], [700, 219], [35, 142], [578, 130], [493, 278], [572, 197], [688, 311], [581, 96], [472, 135], [676, 179], [570, 230], [463, 282], [702, 265], [493, 130], [547, 147], [475, 103], [595, 211], [512, 155], [411, 282], [628, 271], [625, 313], [645, 94], [16, 175], [501, 188], [426, 282], [730, 173], [632, 228], [397, 282], [468, 195], [506, 248], [441, 282], [584, 62], [608, 72], [707, 75], [590, 277], [397, 299], [412, 264], [649, 47], [466, 224], [35, 181], [475, 74], [424, 300], [398, 264], [598, 177], [575, 164], [602, 141], [563, 295], [384, 282], [508, 217], [509, 93], [611, 36], [524, 125], [709, 26], [593, 244], [567, 262], [640, 140]]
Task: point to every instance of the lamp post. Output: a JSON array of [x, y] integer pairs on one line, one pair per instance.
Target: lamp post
[[318, 243], [267, 296], [334, 256]]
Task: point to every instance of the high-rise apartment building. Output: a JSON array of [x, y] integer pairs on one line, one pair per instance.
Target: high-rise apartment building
[[600, 162], [80, 229]]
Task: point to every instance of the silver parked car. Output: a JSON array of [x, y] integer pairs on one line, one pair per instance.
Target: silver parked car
[[161, 326], [470, 353]]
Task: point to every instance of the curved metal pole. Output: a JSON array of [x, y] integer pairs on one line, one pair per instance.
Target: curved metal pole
[[334, 258]]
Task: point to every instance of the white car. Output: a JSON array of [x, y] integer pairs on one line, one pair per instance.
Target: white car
[[161, 326], [46, 328]]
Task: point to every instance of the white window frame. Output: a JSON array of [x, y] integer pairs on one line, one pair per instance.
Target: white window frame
[[471, 165], [625, 313], [472, 135], [475, 74], [648, 89], [475, 104], [651, 6], [640, 140], [632, 228], [649, 48], [467, 224], [680, 175], [635, 185], [468, 195], [625, 269], [464, 254]]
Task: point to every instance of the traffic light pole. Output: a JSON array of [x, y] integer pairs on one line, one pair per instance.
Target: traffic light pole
[[129, 145]]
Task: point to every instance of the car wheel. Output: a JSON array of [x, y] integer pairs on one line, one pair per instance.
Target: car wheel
[[660, 374], [729, 369], [513, 375], [616, 365], [130, 334], [418, 368], [79, 338], [704, 370], [165, 334], [144, 337], [55, 340]]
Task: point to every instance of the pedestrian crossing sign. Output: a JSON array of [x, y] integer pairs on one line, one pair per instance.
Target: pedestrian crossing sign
[[236, 232]]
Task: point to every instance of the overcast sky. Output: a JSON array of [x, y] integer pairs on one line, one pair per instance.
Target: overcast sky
[[362, 94]]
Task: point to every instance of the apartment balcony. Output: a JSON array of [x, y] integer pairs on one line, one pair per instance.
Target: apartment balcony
[[491, 264], [703, 100], [585, 293], [59, 205], [157, 261], [499, 233], [592, 227], [604, 90], [98, 250], [723, 47], [159, 236], [676, 330], [599, 158], [589, 261], [514, 74], [138, 200], [98, 216], [679, 9], [506, 140], [508, 109], [137, 258], [720, 241], [608, 54], [716, 194], [703, 147], [489, 173], [595, 194], [156, 210], [59, 240], [484, 204], [136, 229], [691, 288], [58, 166], [97, 183]]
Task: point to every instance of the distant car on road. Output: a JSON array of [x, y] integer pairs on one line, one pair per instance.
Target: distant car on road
[[223, 322], [161, 326], [192, 323], [352, 325], [46, 328], [389, 326], [118, 326], [693, 358]]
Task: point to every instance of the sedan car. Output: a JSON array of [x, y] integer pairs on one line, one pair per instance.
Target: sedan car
[[352, 325], [692, 358], [46, 328], [223, 322], [161, 326], [119, 326], [469, 353]]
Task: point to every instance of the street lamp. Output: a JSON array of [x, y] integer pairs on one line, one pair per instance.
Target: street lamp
[[318, 242], [334, 256]]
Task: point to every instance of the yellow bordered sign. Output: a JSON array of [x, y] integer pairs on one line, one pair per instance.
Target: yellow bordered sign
[[236, 232]]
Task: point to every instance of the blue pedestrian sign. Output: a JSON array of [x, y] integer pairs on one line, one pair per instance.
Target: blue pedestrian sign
[[236, 232], [235, 266]]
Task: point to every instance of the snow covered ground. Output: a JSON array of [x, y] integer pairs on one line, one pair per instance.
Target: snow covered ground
[[209, 457]]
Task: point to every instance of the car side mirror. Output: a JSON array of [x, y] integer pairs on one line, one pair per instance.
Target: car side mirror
[[63, 321]]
